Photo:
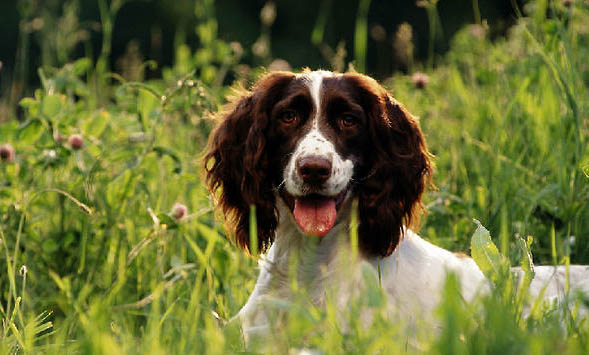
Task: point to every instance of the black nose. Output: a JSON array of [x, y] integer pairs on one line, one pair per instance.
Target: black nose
[[314, 169]]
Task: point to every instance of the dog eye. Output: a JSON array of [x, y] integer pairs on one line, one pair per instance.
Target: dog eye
[[289, 117], [348, 121]]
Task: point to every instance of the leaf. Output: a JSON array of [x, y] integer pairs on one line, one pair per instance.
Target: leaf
[[147, 103], [50, 246], [486, 255], [8, 130], [120, 188], [51, 105], [167, 220], [526, 261], [82, 65], [30, 104], [169, 152], [207, 232], [30, 131], [96, 125], [527, 266]]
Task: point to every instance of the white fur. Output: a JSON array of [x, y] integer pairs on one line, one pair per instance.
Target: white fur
[[412, 276]]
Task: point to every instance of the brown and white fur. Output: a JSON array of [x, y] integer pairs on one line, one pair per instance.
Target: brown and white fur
[[301, 147]]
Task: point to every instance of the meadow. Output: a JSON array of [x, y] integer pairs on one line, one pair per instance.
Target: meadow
[[110, 244]]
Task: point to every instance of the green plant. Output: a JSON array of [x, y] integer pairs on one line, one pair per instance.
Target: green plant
[[96, 260]]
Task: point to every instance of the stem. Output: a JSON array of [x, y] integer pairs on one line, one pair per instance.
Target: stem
[[61, 214], [319, 28], [361, 35], [11, 274], [476, 11], [432, 34], [22, 57], [106, 19]]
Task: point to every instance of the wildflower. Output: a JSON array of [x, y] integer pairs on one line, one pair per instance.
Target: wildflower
[[478, 31], [420, 80], [179, 211], [7, 153], [76, 141], [49, 155]]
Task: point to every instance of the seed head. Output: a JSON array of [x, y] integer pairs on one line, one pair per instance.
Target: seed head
[[261, 47], [420, 80], [268, 14], [23, 271], [7, 153], [76, 141], [403, 46], [568, 3], [179, 211], [279, 64], [378, 33]]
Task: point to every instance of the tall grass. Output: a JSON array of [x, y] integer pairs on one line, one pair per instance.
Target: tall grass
[[96, 261]]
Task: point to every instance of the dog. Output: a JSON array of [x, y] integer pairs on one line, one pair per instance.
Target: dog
[[301, 148]]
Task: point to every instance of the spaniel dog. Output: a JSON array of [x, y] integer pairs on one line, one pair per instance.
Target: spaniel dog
[[306, 150]]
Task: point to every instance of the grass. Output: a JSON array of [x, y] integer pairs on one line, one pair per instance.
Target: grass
[[95, 261]]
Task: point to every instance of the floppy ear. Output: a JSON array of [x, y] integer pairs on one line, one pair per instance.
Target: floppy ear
[[398, 173], [237, 161]]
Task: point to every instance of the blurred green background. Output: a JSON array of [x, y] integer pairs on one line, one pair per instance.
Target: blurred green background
[[304, 33]]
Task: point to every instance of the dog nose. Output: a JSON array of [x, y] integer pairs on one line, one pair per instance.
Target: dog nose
[[314, 169]]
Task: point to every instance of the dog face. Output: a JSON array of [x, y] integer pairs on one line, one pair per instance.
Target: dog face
[[315, 139]]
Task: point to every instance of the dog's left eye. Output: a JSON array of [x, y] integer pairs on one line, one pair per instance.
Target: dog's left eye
[[348, 121], [289, 117]]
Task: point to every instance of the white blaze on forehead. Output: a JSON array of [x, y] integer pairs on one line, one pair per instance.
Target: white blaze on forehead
[[314, 80], [316, 143]]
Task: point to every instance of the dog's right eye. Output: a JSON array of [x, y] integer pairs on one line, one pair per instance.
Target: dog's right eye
[[289, 117]]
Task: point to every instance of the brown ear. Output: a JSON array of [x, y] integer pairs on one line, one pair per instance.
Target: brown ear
[[399, 170], [237, 161]]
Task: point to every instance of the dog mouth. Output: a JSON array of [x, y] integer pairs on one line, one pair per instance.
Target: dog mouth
[[314, 213]]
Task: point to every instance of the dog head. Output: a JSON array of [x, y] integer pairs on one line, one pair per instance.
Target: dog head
[[316, 140]]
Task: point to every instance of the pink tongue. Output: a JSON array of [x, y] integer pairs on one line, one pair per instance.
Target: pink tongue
[[315, 216]]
